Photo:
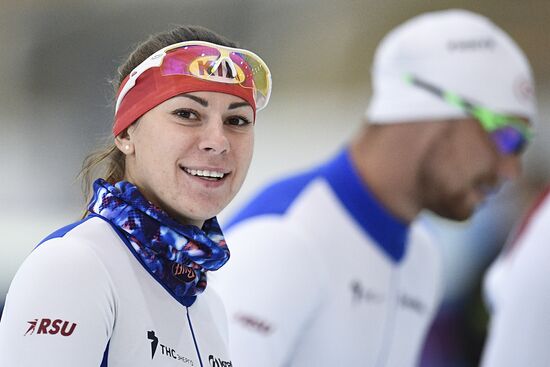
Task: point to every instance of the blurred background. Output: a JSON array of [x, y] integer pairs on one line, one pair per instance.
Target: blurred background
[[55, 105]]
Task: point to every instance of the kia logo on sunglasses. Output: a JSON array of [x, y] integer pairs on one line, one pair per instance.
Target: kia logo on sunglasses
[[226, 71]]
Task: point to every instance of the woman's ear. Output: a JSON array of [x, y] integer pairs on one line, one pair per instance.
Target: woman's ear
[[124, 141]]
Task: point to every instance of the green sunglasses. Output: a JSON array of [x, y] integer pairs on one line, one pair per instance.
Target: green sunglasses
[[510, 134]]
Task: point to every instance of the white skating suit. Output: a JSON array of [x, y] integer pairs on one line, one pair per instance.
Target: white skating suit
[[322, 275], [517, 287], [82, 299]]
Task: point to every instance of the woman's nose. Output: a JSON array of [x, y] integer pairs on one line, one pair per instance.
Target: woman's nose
[[213, 138]]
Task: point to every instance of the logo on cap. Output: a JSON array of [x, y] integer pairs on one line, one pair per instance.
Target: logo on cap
[[473, 44], [523, 89]]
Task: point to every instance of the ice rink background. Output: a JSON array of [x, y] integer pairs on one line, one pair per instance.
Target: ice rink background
[[55, 104]]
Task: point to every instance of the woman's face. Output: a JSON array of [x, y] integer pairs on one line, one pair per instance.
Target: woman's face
[[190, 154]]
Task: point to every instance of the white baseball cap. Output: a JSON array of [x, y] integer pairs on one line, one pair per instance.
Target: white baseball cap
[[458, 51]]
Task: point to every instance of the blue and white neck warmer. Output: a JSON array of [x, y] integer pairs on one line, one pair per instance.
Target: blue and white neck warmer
[[177, 255]]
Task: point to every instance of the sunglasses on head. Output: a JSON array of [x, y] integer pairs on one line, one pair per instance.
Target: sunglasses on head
[[510, 134], [208, 61]]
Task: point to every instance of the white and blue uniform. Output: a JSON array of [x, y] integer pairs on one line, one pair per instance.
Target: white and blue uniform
[[518, 293], [322, 275], [83, 299]]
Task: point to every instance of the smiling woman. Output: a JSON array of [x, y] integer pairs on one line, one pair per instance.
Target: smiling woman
[[128, 276], [190, 154]]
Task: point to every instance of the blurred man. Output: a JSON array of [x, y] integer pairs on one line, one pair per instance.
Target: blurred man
[[519, 295], [329, 267]]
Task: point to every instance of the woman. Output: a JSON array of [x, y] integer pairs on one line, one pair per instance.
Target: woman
[[126, 286]]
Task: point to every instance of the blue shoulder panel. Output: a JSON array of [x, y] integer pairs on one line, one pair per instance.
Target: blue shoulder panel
[[275, 199], [389, 232], [63, 231]]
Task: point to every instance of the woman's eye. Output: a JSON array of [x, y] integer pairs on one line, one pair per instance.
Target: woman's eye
[[238, 121], [186, 114]]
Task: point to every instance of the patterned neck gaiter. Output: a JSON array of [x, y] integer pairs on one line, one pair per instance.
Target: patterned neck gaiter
[[177, 255]]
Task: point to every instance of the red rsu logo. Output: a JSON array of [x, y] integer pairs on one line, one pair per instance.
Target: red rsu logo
[[51, 327]]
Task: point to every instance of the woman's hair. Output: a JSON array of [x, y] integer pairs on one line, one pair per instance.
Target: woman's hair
[[108, 162]]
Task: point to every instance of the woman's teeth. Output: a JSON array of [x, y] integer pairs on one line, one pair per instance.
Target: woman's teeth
[[205, 173]]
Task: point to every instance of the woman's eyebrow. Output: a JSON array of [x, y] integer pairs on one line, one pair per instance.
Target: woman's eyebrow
[[203, 102], [234, 105]]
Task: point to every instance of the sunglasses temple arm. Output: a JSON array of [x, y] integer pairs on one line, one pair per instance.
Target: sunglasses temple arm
[[484, 116], [154, 60], [426, 86], [129, 84]]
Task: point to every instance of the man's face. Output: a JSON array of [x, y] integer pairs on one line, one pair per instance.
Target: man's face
[[461, 167]]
